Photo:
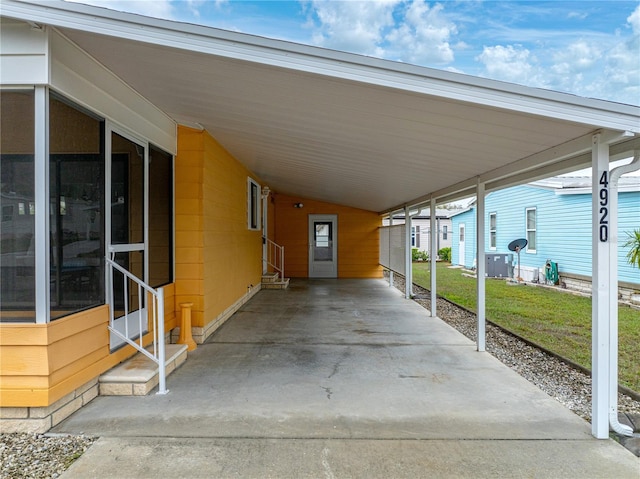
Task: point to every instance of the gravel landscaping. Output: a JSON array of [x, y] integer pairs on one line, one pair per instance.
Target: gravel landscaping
[[39, 456]]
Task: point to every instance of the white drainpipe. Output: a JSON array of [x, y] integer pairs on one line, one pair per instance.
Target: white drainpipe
[[614, 176]]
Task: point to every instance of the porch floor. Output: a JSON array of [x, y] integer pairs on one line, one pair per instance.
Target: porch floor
[[341, 378]]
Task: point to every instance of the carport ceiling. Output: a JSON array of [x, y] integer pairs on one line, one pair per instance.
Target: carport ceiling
[[331, 126]]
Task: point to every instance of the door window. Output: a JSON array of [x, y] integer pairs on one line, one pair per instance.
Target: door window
[[323, 241]]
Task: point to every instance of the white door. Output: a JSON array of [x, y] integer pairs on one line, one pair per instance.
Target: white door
[[461, 244], [127, 159], [323, 246]]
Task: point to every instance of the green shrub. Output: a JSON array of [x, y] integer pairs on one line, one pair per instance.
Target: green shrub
[[417, 255], [633, 242], [445, 254]]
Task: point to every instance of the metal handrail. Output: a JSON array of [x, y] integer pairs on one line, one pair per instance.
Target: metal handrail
[[275, 256], [156, 312]]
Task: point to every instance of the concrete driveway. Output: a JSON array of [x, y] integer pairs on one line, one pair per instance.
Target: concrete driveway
[[341, 378]]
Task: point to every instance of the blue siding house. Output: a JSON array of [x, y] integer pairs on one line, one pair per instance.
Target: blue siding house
[[555, 217]]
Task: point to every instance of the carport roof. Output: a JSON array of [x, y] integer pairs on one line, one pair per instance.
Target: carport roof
[[338, 127]]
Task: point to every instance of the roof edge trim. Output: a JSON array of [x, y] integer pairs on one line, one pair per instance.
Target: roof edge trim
[[314, 60]]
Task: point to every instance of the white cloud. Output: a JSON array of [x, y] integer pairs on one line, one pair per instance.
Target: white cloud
[[580, 55], [423, 37], [578, 15], [602, 66], [512, 63], [352, 26], [193, 6], [607, 68], [404, 30], [634, 20], [150, 8]]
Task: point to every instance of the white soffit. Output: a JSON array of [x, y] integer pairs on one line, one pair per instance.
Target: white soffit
[[327, 125]]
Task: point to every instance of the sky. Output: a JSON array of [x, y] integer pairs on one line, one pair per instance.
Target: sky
[[587, 48]]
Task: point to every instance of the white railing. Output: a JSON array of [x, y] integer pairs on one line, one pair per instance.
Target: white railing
[[275, 256], [154, 312]]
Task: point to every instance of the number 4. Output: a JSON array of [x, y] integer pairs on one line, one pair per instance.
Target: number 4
[[604, 179]]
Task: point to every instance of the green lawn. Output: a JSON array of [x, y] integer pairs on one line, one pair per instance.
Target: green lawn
[[556, 320]]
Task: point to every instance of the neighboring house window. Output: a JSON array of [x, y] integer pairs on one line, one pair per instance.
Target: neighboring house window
[[415, 236], [531, 230], [444, 232], [253, 205], [492, 230], [7, 213]]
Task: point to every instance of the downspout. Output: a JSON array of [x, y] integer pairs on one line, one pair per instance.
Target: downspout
[[614, 176]]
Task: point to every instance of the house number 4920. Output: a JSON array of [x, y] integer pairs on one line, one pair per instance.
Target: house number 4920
[[604, 206]]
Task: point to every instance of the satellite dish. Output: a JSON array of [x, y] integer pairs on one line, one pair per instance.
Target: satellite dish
[[517, 245]]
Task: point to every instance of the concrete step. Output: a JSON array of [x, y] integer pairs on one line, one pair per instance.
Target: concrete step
[[139, 375], [280, 284], [270, 277]]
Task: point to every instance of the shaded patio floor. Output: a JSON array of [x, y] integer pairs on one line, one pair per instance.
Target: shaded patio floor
[[342, 378]]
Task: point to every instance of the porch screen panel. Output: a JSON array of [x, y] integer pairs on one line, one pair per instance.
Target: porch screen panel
[[392, 248], [160, 217], [17, 207], [76, 208]]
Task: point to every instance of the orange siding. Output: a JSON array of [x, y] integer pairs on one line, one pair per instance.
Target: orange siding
[[358, 238], [35, 355], [217, 256], [41, 363]]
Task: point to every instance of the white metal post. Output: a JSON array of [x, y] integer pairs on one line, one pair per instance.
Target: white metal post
[[162, 374], [390, 270], [601, 294], [265, 232], [434, 239], [41, 200], [408, 271], [480, 266]]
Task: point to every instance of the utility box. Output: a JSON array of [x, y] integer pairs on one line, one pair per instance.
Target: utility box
[[499, 265]]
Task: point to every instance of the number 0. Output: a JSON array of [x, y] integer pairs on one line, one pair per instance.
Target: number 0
[[604, 233]]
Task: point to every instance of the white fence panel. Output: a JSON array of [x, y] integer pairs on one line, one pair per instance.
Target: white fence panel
[[392, 248]]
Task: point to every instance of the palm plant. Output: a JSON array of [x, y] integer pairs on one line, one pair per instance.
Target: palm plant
[[633, 256]]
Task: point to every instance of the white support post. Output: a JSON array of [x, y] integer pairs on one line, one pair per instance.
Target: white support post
[[408, 271], [390, 270], [265, 230], [601, 289], [41, 200], [432, 258], [480, 267], [162, 362]]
